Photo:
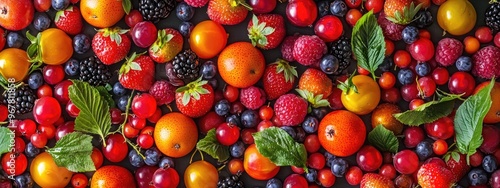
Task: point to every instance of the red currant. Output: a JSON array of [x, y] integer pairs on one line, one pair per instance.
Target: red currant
[[136, 122], [46, 110], [387, 80], [352, 16], [427, 87], [440, 147], [116, 116], [375, 5], [484, 34], [129, 131], [266, 113], [145, 141], [44, 91], [115, 149], [415, 103], [402, 58]]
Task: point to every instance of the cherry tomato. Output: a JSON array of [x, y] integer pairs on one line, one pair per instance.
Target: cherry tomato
[[46, 110], [300, 13], [329, 28], [200, 174], [207, 39], [115, 149], [375, 5], [353, 16], [257, 166], [79, 180], [387, 80], [14, 163]]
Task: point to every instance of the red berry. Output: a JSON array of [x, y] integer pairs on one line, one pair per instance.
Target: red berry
[[462, 83], [406, 162], [316, 161], [329, 28], [145, 141], [143, 105], [354, 175], [227, 134], [388, 171], [369, 158], [413, 136], [53, 74], [484, 34], [440, 129]]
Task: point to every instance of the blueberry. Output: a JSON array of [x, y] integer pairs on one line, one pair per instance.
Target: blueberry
[[329, 64], [489, 163], [422, 69], [41, 21], [311, 175], [184, 12], [237, 149], [410, 34], [477, 176], [118, 89], [30, 150], [35, 80], [81, 43], [464, 63], [249, 118], [424, 149], [339, 167], [424, 19], [323, 8], [14, 40], [222, 107], [320, 112], [23, 181], [310, 124], [208, 70], [387, 65], [122, 103], [338, 8], [233, 119], [406, 76], [166, 162], [290, 131], [274, 183], [329, 158], [300, 134], [72, 67], [153, 156], [185, 28], [135, 159], [60, 4]]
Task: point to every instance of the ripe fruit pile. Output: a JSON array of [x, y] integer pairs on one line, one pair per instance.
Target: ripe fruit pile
[[108, 96]]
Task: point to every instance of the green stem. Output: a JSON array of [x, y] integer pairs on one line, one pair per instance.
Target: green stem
[[135, 148], [122, 126]]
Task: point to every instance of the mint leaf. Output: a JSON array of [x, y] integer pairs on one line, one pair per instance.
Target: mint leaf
[[127, 6], [428, 112], [5, 139], [73, 152], [212, 147], [469, 120], [383, 139], [94, 114], [106, 96], [277, 145], [368, 43]]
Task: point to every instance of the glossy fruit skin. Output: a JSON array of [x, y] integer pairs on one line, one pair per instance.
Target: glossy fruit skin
[[383, 115], [329, 28], [443, 128], [14, 164], [144, 105], [493, 115], [79, 180], [165, 177], [406, 162], [341, 133], [101, 14], [262, 6], [46, 110], [413, 136], [422, 49], [16, 14], [367, 98], [241, 64], [257, 166], [295, 181], [207, 39], [227, 134], [167, 134], [14, 64], [46, 173], [461, 82], [116, 148], [144, 34], [456, 17], [201, 174], [300, 13], [112, 176], [369, 158], [56, 46]]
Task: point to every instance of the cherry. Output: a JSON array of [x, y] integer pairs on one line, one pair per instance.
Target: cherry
[[423, 33], [79, 180], [209, 121], [442, 128], [375, 5], [387, 157], [19, 144], [136, 122], [295, 181], [402, 59], [133, 17], [145, 141], [148, 130], [144, 34], [390, 95], [316, 161], [27, 127], [363, 71], [48, 129], [264, 125], [227, 134], [231, 93], [354, 175], [129, 131], [406, 162], [262, 6], [297, 170], [427, 87], [144, 175], [388, 171], [369, 158], [440, 147], [46, 110], [44, 91], [72, 110], [404, 180], [97, 157], [143, 105], [497, 40], [329, 28], [326, 177], [156, 116], [64, 129], [415, 103], [53, 74], [38, 140], [409, 92], [440, 75], [115, 149], [476, 159], [353, 16], [14, 163], [491, 140], [165, 177], [387, 80], [422, 49], [237, 108], [246, 136], [300, 13], [461, 82], [235, 166], [61, 92], [42, 5], [311, 143], [413, 136], [116, 116], [266, 112], [484, 34]]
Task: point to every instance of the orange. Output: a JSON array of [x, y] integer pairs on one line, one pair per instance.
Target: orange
[[56, 46], [175, 134], [112, 176], [14, 64], [471, 44], [341, 133], [493, 115], [102, 14], [46, 173], [383, 115], [241, 64]]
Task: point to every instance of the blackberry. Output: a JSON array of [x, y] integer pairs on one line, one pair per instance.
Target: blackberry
[[230, 182], [154, 10], [341, 49], [423, 19], [93, 71], [186, 66], [24, 99], [492, 16]]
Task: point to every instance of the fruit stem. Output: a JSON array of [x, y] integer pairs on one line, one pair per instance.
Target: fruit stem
[[244, 4], [135, 148], [122, 126], [192, 156]]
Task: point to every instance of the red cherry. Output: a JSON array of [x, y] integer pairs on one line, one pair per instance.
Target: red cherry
[[144, 34], [413, 136], [369, 158], [461, 82], [300, 12], [64, 129], [72, 110], [484, 34], [329, 28], [48, 129], [44, 91], [27, 127], [247, 137], [440, 129], [61, 92], [46, 110], [38, 140], [133, 17], [145, 141], [227, 134], [295, 181], [375, 5], [440, 75], [406, 162], [115, 148], [422, 49], [14, 163], [144, 105], [316, 161], [354, 175], [53, 74], [262, 6]]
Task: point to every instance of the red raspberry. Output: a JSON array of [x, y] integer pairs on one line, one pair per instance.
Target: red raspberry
[[391, 30], [287, 47], [196, 3], [308, 49], [252, 97], [486, 62], [290, 109], [448, 50], [163, 92]]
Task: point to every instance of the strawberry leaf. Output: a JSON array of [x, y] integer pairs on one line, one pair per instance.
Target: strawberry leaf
[[383, 139], [428, 112], [135, 66], [289, 72], [6, 137], [193, 89], [212, 147], [73, 152], [315, 100]]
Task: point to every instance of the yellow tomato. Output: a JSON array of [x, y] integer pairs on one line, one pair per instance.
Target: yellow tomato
[[56, 46], [46, 173], [365, 99], [14, 64], [207, 39], [456, 17], [201, 174]]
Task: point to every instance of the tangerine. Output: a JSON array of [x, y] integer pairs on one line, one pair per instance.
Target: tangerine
[[341, 133], [493, 115], [102, 14], [112, 176], [241, 64], [175, 134]]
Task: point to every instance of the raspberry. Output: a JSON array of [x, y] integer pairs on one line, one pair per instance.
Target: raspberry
[[196, 3], [287, 47], [486, 62], [252, 97], [290, 109], [163, 92], [391, 30], [448, 50], [308, 49]]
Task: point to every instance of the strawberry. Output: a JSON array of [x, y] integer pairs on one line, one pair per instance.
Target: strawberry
[[401, 11], [372, 180], [111, 45], [69, 20], [391, 30], [308, 49], [137, 72], [167, 45], [195, 99], [290, 109], [227, 12], [434, 175], [278, 79], [457, 163], [316, 82], [266, 31]]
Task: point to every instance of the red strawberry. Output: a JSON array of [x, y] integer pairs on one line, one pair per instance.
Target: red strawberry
[[316, 82], [167, 45], [266, 31], [137, 72], [278, 79], [457, 163], [290, 109], [434, 175], [401, 11], [196, 3], [227, 12], [111, 45], [391, 30], [372, 180], [308, 49], [69, 20], [195, 99]]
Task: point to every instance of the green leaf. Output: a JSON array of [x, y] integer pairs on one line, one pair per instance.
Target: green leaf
[[468, 121], [368, 43], [135, 66], [277, 145], [94, 114], [127, 6], [212, 147], [106, 95], [383, 139], [73, 152], [6, 136], [428, 112]]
